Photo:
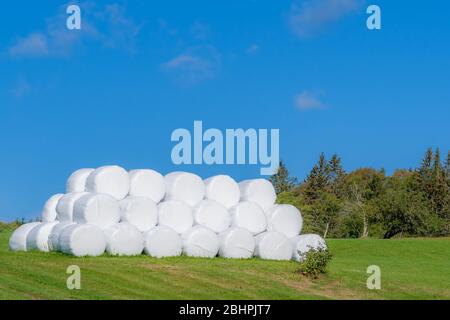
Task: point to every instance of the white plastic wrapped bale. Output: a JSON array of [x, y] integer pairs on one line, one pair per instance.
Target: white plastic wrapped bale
[[77, 180], [112, 180], [213, 215], [184, 186], [101, 210], [82, 240], [139, 211], [236, 243], [147, 183], [37, 238], [176, 215], [162, 242], [260, 191], [286, 219], [223, 189], [53, 238], [64, 208], [18, 240], [49, 213], [200, 242], [124, 239], [273, 246], [249, 215], [303, 243]]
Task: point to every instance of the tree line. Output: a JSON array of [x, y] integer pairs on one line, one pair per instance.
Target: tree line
[[369, 203]]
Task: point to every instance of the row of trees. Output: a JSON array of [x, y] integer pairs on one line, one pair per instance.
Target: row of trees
[[368, 203]]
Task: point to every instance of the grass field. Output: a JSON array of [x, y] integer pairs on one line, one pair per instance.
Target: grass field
[[410, 269]]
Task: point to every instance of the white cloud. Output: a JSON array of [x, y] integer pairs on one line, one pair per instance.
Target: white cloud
[[307, 101], [194, 65], [309, 16], [35, 44], [107, 25]]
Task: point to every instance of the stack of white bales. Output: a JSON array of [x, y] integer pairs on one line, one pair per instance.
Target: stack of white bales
[[127, 213]]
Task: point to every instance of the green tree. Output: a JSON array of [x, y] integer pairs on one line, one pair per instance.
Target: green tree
[[281, 180], [336, 175], [317, 180]]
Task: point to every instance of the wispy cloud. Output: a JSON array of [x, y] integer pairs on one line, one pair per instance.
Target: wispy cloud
[[307, 100], [107, 26], [35, 44], [194, 65], [308, 17]]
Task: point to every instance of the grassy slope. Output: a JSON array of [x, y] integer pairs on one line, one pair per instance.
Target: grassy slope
[[411, 269]]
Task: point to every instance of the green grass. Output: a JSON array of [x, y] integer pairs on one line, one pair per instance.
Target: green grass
[[411, 269]]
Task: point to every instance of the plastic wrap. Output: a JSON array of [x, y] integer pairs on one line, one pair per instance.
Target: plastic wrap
[[49, 213], [18, 240], [82, 240], [223, 189], [260, 191], [273, 246], [124, 239], [176, 215], [236, 243], [77, 180], [65, 205], [112, 180], [286, 219], [303, 243], [162, 242], [53, 238], [213, 215], [200, 242], [101, 210], [184, 186], [147, 183], [141, 212], [37, 238], [250, 216]]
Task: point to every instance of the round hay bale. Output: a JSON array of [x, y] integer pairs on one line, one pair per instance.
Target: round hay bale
[[162, 242], [223, 189], [124, 239], [303, 243], [184, 186], [237, 243], [147, 183], [49, 213], [250, 216], [77, 180], [273, 246], [286, 219], [141, 212], [260, 191], [176, 215], [18, 240], [37, 238], [82, 240], [200, 242], [101, 210], [65, 205], [112, 180], [53, 238], [213, 215]]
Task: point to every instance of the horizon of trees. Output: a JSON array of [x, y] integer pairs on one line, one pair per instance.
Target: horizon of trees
[[367, 202]]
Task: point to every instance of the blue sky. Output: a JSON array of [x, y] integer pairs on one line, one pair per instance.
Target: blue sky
[[113, 92]]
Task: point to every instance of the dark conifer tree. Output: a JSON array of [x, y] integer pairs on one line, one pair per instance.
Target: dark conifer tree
[[282, 181]]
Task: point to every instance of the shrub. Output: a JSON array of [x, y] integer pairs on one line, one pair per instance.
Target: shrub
[[314, 262]]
